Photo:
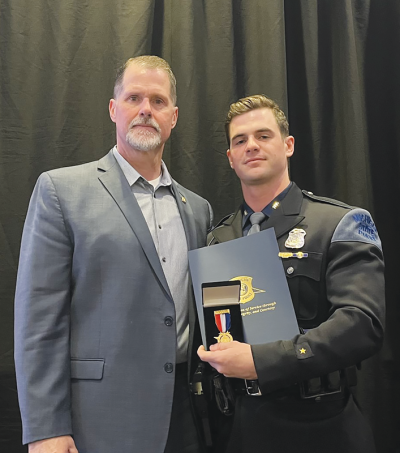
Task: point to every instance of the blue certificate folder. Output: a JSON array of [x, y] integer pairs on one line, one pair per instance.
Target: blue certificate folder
[[266, 306]]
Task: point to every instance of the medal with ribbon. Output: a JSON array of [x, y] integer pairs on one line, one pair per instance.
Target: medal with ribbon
[[223, 322]]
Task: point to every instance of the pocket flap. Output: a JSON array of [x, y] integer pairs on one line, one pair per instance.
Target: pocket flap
[[87, 368], [305, 267]]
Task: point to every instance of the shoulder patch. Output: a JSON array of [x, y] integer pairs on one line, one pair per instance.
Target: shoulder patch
[[357, 225], [326, 200]]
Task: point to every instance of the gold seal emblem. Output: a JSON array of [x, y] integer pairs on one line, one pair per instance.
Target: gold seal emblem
[[247, 292], [295, 239]]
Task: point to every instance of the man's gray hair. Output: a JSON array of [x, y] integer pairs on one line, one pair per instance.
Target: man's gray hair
[[148, 62]]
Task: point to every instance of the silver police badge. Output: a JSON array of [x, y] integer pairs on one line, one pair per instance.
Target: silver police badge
[[295, 239]]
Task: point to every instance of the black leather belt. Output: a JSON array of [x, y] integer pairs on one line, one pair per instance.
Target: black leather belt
[[329, 387]]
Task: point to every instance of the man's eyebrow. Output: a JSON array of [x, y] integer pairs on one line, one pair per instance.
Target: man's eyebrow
[[236, 136], [264, 129]]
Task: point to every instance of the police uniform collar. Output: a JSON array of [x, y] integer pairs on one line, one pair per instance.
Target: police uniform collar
[[291, 204], [287, 215], [283, 219], [268, 210]]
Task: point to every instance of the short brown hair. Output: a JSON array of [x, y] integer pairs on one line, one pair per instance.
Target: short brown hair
[[257, 101], [149, 62]]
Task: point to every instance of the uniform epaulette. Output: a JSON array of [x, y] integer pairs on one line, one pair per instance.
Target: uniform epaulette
[[326, 200], [222, 221]]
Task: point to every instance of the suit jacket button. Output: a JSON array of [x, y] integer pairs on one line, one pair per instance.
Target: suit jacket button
[[168, 321], [290, 270], [168, 367]]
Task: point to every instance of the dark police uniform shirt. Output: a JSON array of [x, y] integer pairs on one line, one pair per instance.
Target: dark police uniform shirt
[[335, 272], [337, 289]]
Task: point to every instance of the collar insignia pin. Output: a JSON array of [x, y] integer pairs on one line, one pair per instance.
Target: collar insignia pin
[[183, 199], [275, 205]]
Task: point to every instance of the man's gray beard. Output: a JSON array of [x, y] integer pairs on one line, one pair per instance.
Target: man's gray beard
[[144, 140]]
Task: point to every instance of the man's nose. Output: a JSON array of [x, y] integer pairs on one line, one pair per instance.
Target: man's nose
[[145, 108], [252, 144]]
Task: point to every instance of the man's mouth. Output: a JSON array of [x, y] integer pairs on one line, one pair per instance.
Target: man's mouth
[[254, 159], [146, 125]]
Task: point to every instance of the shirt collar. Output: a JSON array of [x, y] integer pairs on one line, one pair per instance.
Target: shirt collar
[[133, 176], [247, 211]]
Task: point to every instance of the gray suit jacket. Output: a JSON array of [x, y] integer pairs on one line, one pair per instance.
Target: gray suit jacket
[[92, 349]]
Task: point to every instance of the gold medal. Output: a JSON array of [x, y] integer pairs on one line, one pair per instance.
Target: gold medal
[[223, 322], [224, 337]]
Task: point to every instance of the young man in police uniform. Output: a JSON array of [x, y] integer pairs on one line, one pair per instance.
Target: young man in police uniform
[[337, 288]]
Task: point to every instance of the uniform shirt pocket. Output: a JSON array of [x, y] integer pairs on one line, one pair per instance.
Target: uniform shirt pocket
[[304, 275]]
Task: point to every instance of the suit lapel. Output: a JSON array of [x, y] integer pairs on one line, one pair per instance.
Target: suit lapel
[[187, 216], [189, 225], [117, 186]]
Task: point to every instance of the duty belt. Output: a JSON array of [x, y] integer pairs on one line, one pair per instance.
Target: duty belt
[[330, 386]]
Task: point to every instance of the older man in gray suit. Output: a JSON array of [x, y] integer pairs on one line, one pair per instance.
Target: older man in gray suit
[[104, 320]]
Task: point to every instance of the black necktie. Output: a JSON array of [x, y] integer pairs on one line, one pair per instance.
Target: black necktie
[[256, 218]]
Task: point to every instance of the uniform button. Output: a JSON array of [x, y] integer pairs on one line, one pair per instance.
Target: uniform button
[[168, 321], [164, 260], [159, 226], [168, 367], [290, 270]]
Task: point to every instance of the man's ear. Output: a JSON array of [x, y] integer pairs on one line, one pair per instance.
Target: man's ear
[[174, 117], [111, 109], [228, 153], [289, 142]]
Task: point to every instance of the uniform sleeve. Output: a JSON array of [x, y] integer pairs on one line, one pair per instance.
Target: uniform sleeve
[[42, 318], [354, 329]]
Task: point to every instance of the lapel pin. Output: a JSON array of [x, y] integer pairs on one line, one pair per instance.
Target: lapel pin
[[183, 199]]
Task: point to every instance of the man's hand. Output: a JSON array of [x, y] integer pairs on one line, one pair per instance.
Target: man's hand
[[232, 359], [62, 444]]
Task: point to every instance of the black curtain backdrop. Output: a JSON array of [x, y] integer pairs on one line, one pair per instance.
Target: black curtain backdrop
[[333, 65]]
